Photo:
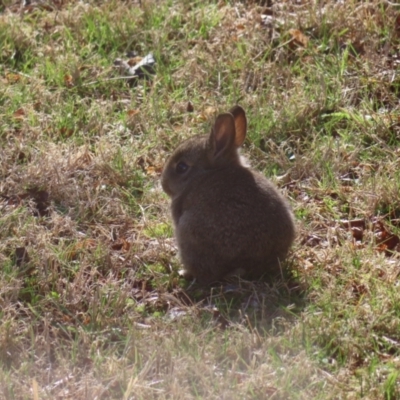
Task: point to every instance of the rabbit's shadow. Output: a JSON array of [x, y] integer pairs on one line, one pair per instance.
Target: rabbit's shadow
[[261, 305]]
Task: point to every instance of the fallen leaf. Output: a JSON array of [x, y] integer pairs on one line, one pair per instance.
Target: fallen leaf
[[354, 223], [19, 114], [359, 289], [22, 157], [144, 67], [68, 80], [207, 113], [41, 200], [66, 318], [151, 170], [47, 26], [137, 67], [86, 244], [298, 37], [356, 48], [121, 244], [21, 256], [13, 78], [66, 132], [386, 241], [356, 226], [131, 113], [189, 107], [357, 233], [134, 60]]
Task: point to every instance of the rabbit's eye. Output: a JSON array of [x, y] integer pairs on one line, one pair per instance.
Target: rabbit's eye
[[181, 167]]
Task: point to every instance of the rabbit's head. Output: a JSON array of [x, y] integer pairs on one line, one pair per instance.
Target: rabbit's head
[[202, 153]]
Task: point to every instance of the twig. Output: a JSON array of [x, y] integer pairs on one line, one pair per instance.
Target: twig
[[392, 4], [20, 73], [109, 79]]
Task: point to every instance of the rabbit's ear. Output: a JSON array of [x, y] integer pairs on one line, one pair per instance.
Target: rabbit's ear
[[240, 124], [222, 137]]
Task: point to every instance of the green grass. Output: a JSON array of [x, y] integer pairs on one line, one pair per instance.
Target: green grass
[[98, 309]]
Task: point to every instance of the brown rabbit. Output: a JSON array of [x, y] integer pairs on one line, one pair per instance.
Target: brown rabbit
[[228, 219]]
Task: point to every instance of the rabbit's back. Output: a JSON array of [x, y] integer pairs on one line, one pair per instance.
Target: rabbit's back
[[238, 218]]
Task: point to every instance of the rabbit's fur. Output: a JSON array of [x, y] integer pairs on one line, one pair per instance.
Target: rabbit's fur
[[228, 219]]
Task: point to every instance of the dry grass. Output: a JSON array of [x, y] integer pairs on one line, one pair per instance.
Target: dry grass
[[91, 304]]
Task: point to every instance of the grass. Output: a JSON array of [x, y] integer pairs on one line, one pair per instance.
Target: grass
[[91, 303]]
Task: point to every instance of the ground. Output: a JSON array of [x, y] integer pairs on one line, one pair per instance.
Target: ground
[[91, 302]]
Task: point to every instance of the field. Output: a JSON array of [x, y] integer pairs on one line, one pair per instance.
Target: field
[[91, 302]]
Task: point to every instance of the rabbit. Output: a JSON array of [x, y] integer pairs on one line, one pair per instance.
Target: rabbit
[[228, 219]]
